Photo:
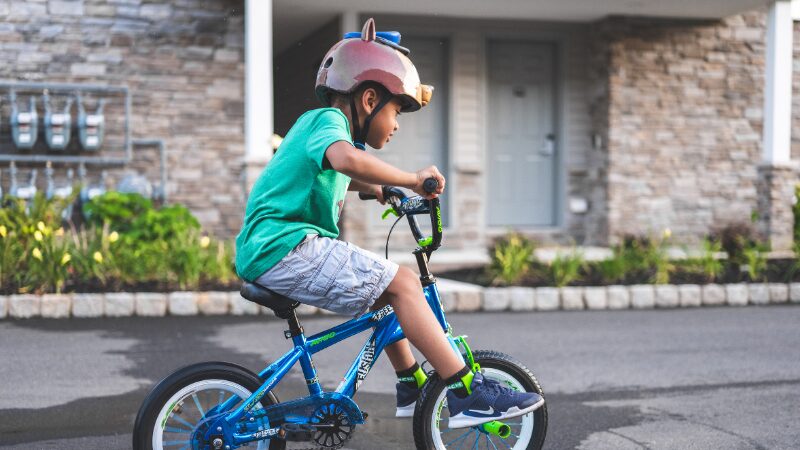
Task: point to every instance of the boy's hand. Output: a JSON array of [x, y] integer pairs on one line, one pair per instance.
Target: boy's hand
[[378, 192], [424, 174]]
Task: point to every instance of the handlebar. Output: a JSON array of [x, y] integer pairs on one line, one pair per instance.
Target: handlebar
[[413, 206]]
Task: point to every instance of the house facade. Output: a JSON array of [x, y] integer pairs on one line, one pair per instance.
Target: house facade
[[572, 123]]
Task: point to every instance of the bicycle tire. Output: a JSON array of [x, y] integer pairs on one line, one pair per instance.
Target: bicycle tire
[[236, 379], [493, 363]]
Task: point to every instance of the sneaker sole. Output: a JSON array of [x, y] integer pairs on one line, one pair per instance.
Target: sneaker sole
[[462, 421], [405, 411]]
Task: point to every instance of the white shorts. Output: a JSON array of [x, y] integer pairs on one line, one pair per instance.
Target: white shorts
[[330, 274]]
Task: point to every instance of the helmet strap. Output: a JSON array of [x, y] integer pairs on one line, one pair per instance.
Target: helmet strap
[[360, 135], [358, 141]]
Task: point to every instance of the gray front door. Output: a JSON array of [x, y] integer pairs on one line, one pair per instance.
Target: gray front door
[[522, 145]]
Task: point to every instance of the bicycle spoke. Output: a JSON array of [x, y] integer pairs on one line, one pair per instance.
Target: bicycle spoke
[[490, 441], [197, 403], [183, 421], [463, 436], [174, 443], [477, 439], [176, 430]]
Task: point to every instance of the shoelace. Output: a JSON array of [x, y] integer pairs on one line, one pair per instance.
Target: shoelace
[[497, 388]]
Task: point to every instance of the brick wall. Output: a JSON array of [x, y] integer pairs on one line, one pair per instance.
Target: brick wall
[[183, 61]]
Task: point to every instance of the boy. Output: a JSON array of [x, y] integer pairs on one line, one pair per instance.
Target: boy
[[288, 240]]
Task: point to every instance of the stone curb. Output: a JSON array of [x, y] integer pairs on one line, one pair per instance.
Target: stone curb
[[456, 296]]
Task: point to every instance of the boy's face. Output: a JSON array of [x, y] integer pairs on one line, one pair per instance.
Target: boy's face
[[384, 124]]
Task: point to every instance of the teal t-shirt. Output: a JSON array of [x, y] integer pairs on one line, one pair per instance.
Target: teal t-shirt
[[295, 195]]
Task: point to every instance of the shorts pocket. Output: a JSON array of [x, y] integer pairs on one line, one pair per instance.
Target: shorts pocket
[[335, 259]]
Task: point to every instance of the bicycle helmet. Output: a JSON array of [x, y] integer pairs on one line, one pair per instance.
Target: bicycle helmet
[[376, 57]]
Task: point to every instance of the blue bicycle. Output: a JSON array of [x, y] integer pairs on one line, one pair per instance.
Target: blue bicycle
[[218, 405]]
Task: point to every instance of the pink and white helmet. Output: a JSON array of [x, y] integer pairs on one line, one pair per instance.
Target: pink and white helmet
[[371, 57]]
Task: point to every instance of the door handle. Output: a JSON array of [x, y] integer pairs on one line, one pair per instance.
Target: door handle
[[549, 145]]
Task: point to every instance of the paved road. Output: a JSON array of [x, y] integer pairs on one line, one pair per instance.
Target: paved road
[[711, 378]]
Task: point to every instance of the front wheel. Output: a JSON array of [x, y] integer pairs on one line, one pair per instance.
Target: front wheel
[[431, 415], [172, 411]]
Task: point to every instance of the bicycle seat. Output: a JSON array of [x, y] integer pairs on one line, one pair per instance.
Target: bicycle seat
[[282, 306]]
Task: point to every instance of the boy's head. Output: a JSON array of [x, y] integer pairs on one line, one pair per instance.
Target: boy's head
[[371, 71], [362, 103]]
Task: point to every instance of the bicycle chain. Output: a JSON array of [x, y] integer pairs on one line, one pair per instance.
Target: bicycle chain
[[338, 446], [328, 448]]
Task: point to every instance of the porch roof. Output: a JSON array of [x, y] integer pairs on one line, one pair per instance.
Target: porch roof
[[294, 18]]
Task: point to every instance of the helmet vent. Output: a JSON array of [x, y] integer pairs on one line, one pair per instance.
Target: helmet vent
[[328, 62]]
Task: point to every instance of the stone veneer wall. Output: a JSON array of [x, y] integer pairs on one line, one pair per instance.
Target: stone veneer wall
[[685, 118], [183, 61]]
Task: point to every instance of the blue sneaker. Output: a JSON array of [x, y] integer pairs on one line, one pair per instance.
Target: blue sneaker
[[489, 401], [406, 400]]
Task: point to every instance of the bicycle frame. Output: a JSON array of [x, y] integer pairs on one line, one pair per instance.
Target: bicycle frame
[[387, 331]]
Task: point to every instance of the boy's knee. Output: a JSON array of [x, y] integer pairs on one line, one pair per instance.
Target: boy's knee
[[405, 284]]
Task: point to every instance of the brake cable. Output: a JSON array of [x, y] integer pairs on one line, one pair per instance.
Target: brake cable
[[390, 234]]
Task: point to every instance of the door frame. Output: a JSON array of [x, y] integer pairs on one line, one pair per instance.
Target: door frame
[[560, 175]]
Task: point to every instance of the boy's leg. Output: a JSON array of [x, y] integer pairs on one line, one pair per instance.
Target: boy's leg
[[399, 353], [471, 399], [409, 375], [419, 325]]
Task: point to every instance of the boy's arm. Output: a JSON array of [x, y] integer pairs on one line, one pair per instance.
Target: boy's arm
[[366, 188], [363, 167], [360, 186]]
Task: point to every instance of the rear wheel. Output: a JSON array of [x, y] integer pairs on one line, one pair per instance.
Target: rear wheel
[[431, 415], [172, 411]]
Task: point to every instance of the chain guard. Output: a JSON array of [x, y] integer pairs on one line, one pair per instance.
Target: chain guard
[[334, 427], [313, 411]]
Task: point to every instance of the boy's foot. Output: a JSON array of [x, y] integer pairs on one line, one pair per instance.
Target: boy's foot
[[406, 400], [489, 401]]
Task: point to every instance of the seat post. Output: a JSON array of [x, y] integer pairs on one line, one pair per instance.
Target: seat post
[[294, 325]]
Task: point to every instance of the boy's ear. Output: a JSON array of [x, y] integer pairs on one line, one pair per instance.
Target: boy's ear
[[369, 98]]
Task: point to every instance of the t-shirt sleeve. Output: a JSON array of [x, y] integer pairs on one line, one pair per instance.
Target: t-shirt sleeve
[[330, 127]]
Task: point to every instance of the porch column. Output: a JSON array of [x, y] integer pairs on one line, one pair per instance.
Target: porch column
[[778, 89], [348, 22], [776, 174], [258, 98]]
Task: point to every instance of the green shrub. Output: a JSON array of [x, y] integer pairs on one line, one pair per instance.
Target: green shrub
[[117, 210], [639, 259], [707, 264], [566, 267], [796, 210], [735, 238], [755, 261], [512, 257], [34, 249], [218, 262], [126, 242]]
